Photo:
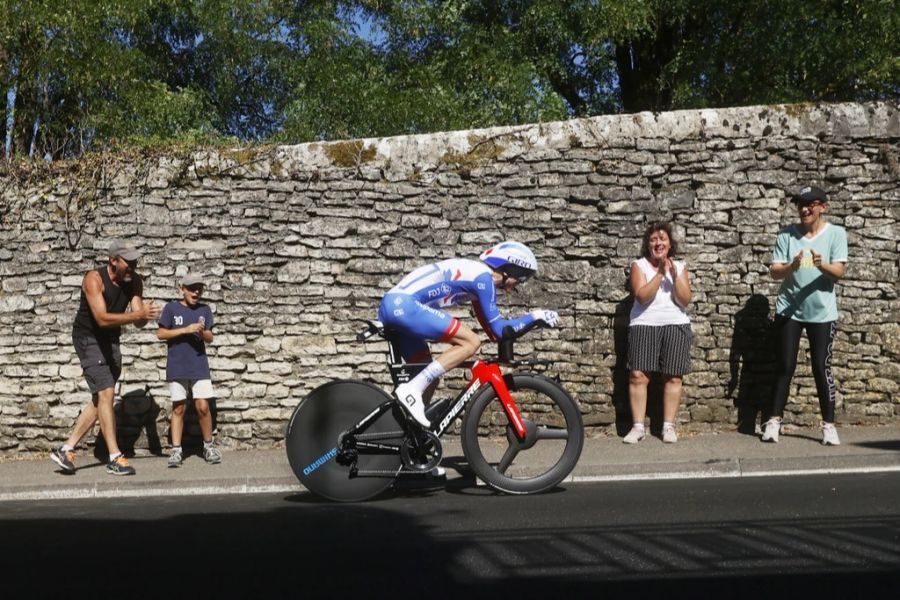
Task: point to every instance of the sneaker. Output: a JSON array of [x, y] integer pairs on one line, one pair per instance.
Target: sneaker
[[176, 458], [829, 435], [212, 455], [669, 436], [773, 428], [634, 436], [119, 466], [66, 460], [412, 403]]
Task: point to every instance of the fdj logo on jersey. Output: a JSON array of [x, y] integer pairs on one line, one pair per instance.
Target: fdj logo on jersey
[[320, 461]]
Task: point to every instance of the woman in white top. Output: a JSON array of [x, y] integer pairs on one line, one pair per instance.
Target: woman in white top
[[659, 331]]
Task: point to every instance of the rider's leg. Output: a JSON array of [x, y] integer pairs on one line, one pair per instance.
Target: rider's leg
[[464, 343], [463, 346]]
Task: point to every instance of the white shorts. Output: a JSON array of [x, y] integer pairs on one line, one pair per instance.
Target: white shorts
[[200, 388]]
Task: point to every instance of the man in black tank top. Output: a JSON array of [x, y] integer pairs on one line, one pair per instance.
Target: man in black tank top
[[111, 296]]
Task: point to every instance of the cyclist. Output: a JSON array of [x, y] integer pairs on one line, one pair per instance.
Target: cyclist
[[412, 308]]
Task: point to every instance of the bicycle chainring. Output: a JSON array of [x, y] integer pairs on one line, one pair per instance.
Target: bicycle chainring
[[421, 451]]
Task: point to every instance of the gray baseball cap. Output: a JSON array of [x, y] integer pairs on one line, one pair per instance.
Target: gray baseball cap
[[124, 249], [192, 279]]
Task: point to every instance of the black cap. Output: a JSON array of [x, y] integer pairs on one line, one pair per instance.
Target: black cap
[[809, 194]]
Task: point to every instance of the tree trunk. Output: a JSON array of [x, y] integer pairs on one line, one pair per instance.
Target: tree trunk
[[641, 65]]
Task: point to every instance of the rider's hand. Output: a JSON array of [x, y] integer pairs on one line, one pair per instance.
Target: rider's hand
[[550, 317]]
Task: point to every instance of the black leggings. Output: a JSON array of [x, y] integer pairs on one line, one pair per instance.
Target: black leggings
[[821, 339]]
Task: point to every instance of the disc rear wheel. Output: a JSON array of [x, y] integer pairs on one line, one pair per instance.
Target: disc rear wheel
[[312, 442]]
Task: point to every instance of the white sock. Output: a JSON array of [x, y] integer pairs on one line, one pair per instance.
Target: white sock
[[114, 456], [421, 381], [66, 448], [670, 424], [638, 426]]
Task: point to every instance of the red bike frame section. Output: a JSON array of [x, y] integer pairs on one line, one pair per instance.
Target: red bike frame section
[[490, 373]]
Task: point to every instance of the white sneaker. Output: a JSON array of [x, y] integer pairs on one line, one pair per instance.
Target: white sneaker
[[829, 435], [634, 436], [669, 436], [773, 428], [412, 403]]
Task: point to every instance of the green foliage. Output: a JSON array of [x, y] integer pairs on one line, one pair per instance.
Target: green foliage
[[89, 73]]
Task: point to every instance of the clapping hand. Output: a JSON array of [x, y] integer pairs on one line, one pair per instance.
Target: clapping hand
[[817, 258], [151, 310]]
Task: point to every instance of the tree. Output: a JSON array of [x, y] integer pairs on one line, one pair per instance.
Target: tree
[[434, 72], [84, 73], [605, 57]]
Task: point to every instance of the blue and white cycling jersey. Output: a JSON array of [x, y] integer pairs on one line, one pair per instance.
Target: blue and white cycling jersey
[[412, 306]]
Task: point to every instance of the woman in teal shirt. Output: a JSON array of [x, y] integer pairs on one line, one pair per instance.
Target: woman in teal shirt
[[809, 258]]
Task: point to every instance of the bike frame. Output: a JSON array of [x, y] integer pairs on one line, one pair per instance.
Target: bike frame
[[483, 373]]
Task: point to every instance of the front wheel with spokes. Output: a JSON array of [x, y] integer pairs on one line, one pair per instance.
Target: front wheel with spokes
[[551, 447]]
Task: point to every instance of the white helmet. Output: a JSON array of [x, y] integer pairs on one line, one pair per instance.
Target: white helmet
[[512, 259]]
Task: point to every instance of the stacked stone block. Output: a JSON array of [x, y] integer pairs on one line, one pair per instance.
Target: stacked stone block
[[299, 242]]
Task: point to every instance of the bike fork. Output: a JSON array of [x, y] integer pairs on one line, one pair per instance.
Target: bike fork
[[490, 373]]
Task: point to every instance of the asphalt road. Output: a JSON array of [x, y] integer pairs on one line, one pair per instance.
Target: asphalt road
[[801, 536]]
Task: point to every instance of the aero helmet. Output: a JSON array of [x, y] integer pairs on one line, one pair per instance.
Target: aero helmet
[[512, 259]]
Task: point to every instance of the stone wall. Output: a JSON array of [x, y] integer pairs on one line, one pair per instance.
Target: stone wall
[[299, 242]]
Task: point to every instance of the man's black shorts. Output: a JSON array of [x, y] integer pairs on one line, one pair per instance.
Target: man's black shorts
[[101, 361]]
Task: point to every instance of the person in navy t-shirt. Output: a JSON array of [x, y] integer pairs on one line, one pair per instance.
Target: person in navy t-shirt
[[186, 326]]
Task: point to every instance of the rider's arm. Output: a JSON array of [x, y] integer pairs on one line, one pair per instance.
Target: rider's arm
[[485, 304]]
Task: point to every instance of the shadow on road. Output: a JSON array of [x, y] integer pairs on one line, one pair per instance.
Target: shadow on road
[[881, 445], [296, 549]]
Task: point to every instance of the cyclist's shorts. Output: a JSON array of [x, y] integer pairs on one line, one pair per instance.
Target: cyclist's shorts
[[416, 322]]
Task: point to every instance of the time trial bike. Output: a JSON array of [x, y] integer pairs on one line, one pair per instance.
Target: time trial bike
[[521, 433]]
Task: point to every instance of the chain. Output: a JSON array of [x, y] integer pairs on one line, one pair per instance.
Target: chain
[[384, 434]]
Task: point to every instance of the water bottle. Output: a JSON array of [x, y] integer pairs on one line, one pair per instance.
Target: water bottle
[[202, 321]]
